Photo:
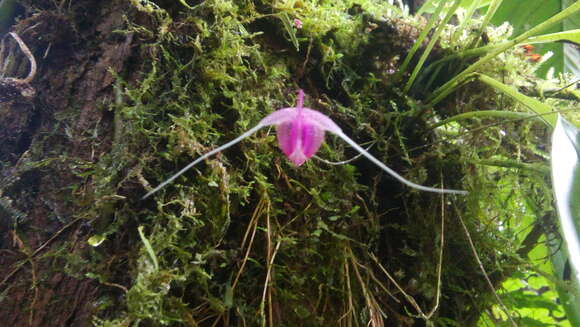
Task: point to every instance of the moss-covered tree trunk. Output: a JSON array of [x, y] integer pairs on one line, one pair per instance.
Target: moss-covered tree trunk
[[46, 140], [129, 91]]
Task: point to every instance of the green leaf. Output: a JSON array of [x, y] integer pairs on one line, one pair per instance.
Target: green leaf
[[572, 36], [571, 53], [533, 104], [500, 114], [229, 296], [519, 299], [7, 10], [566, 184], [419, 41], [96, 240], [289, 27], [148, 247], [429, 6], [433, 39], [185, 4]]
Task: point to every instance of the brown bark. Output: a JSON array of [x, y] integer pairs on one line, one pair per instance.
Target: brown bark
[[76, 50]]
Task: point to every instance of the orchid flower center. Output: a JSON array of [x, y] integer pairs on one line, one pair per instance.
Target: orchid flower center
[[298, 137]]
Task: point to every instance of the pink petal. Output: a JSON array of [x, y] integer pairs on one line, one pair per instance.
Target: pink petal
[[312, 137], [279, 117], [297, 23], [299, 140], [290, 141], [321, 120], [287, 137], [297, 158]]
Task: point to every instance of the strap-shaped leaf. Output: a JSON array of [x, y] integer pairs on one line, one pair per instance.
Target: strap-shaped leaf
[[536, 106], [566, 184], [572, 36]]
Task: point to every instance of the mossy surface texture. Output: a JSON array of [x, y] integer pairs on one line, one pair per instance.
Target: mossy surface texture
[[245, 238]]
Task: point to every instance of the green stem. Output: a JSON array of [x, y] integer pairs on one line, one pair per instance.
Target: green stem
[[490, 12], [539, 168], [533, 104], [465, 54], [468, 15], [486, 113]]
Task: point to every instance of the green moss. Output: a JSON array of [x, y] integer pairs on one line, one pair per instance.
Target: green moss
[[247, 239], [215, 71]]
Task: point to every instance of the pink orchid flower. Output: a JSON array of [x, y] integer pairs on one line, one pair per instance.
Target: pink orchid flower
[[300, 133], [300, 130], [297, 23]]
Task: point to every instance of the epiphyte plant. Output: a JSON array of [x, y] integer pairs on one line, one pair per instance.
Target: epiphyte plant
[[300, 133]]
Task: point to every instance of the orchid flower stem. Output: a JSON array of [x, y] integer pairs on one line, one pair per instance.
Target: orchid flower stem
[[209, 154], [392, 172], [341, 135]]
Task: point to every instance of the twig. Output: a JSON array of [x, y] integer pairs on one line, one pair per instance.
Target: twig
[[267, 285], [567, 86], [253, 227], [351, 311], [270, 255], [40, 248], [440, 265], [35, 298], [409, 298], [30, 57], [474, 251], [121, 287], [375, 314]]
